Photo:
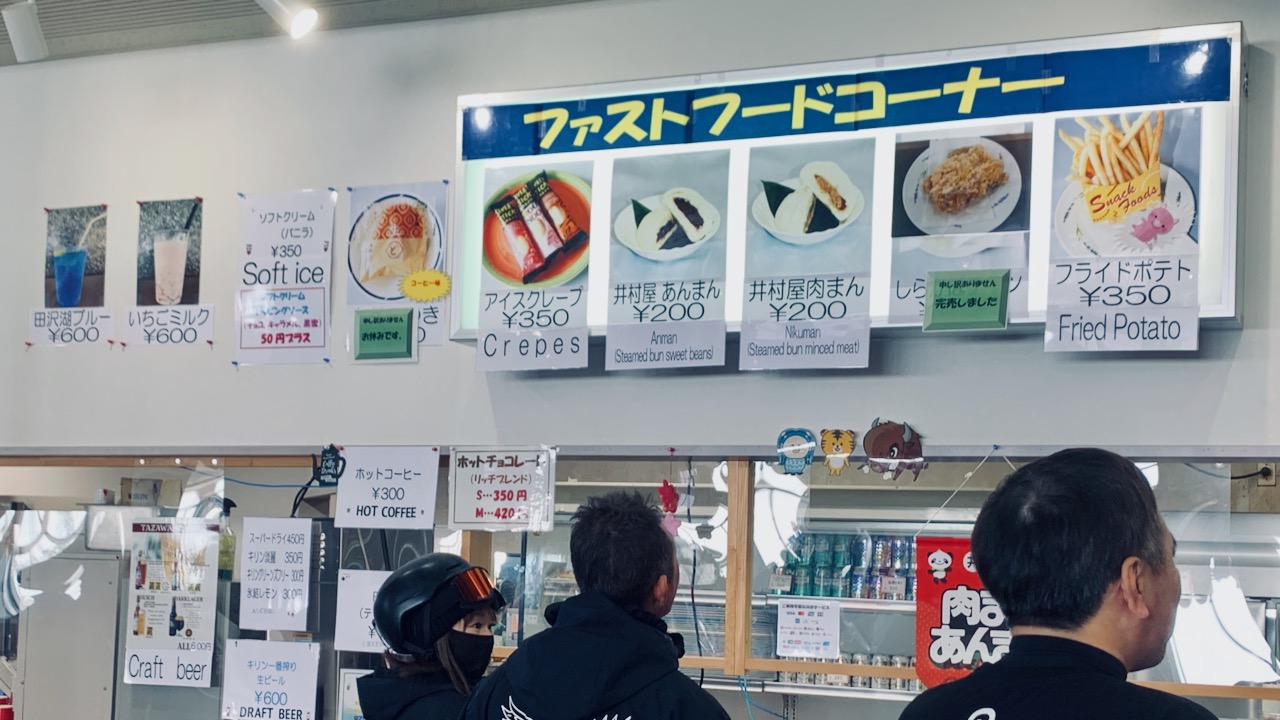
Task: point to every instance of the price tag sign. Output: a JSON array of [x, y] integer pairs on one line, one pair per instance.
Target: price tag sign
[[275, 680], [391, 486], [502, 488], [967, 300], [353, 626], [275, 569], [1123, 303]]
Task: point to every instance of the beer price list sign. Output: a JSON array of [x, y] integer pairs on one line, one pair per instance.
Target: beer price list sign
[[392, 486], [270, 680], [502, 489], [274, 573]]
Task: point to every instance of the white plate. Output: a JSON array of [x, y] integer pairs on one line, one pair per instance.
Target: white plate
[[1080, 236], [624, 228], [982, 216], [362, 230], [950, 247], [760, 213]]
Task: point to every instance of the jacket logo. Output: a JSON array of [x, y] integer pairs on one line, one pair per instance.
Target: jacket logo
[[511, 712]]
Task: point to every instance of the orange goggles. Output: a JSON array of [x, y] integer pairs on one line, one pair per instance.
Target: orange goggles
[[475, 585]]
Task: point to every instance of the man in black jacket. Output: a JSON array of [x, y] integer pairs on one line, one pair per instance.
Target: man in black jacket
[[1076, 553], [607, 653]]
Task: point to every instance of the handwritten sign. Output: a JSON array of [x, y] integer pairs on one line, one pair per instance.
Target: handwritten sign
[[71, 326], [502, 489], [169, 326], [353, 625], [282, 290], [809, 629], [967, 300], [1123, 303], [169, 636], [959, 626], [275, 569], [270, 680], [392, 486]]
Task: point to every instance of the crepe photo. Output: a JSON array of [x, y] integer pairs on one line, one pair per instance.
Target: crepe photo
[[809, 208], [1126, 184], [395, 231], [537, 228], [955, 185]]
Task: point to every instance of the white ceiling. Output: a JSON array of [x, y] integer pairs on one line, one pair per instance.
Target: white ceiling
[[91, 27]]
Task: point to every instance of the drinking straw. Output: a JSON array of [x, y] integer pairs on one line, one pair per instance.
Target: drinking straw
[[84, 235], [191, 215]]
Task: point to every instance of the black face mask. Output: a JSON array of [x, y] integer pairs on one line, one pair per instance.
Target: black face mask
[[472, 653]]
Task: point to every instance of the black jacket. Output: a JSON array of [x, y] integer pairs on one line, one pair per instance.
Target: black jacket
[[596, 661], [387, 696], [1049, 678]]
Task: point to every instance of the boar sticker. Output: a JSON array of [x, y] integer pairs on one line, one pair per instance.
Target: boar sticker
[[892, 448]]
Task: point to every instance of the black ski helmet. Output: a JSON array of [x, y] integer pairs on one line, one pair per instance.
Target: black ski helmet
[[418, 603]]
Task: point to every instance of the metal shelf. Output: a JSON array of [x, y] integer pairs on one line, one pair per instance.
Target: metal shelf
[[856, 604], [779, 688]]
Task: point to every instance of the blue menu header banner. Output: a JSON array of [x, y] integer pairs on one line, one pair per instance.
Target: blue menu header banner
[[1183, 72]]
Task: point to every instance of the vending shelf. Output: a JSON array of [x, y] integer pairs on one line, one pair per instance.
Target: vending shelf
[[779, 688], [856, 604]]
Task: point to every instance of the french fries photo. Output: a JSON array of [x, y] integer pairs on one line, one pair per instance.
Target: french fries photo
[[1110, 155]]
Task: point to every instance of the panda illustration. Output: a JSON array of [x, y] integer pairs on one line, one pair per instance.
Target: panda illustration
[[939, 565]]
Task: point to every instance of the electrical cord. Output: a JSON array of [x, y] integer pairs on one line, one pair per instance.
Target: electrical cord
[[693, 575], [752, 705]]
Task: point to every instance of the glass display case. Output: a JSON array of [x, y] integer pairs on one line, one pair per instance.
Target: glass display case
[[754, 537]]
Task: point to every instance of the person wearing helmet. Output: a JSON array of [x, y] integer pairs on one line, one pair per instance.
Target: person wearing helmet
[[436, 617]]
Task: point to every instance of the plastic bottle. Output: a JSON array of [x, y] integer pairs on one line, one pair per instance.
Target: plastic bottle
[[226, 543]]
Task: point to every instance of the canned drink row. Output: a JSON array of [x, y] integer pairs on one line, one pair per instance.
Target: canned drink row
[[860, 681], [832, 583], [880, 554]]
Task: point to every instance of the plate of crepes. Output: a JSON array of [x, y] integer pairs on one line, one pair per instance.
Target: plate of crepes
[[537, 229], [666, 227], [392, 237], [960, 186], [1120, 198], [811, 208]]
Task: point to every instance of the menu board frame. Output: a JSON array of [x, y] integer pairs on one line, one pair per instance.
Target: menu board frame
[[1223, 132]]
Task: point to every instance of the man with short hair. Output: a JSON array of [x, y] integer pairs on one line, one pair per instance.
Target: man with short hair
[[1076, 553], [607, 653]]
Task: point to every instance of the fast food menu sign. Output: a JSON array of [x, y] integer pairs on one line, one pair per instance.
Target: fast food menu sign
[[282, 289], [537, 238], [1145, 74], [930, 163], [959, 626], [272, 680], [667, 261], [388, 486], [396, 231], [808, 256], [502, 488], [1124, 267]]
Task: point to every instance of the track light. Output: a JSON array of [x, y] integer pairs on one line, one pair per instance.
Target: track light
[[25, 36], [296, 17]]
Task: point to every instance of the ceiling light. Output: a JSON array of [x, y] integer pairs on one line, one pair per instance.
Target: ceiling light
[[296, 17], [25, 36]]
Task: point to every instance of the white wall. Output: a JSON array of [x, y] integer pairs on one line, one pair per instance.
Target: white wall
[[377, 105]]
